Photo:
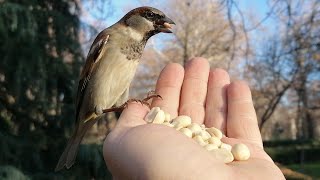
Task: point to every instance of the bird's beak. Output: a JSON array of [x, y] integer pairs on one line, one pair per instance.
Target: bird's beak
[[165, 24]]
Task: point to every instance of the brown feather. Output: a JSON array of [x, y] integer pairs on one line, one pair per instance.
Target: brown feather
[[94, 56], [69, 155], [139, 11]]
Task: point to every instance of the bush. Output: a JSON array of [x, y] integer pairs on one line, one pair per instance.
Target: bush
[[10, 172], [292, 152]]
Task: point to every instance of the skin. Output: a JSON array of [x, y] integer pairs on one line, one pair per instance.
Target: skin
[[136, 150]]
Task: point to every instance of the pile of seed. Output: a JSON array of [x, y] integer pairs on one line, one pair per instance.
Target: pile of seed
[[209, 138]]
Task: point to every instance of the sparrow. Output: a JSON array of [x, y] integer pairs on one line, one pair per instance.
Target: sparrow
[[109, 69]]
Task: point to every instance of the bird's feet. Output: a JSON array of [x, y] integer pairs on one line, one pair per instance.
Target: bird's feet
[[144, 101], [151, 94]]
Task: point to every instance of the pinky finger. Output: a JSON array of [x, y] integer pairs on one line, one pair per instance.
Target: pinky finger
[[241, 119]]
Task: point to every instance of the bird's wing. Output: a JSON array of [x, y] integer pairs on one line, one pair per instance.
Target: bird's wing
[[97, 49]]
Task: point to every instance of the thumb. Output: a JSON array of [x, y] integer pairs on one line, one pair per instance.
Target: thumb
[[130, 117]]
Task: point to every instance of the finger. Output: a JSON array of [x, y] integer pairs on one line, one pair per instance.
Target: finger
[[132, 116], [168, 87], [194, 89], [242, 120], [216, 102]]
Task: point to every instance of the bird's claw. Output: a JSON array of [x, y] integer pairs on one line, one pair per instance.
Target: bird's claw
[[144, 101], [152, 94]]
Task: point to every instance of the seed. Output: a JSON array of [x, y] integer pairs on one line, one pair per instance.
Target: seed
[[240, 152], [167, 117], [226, 146], [210, 147], [214, 140], [181, 122], [195, 128], [167, 124], [214, 132], [155, 115], [199, 140], [209, 138], [186, 132], [204, 134], [222, 155], [152, 114]]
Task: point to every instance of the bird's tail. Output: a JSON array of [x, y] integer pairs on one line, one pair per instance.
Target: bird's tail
[[68, 156]]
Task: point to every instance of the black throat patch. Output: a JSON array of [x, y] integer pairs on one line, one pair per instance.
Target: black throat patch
[[134, 50]]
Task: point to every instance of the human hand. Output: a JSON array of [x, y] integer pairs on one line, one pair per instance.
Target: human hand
[[137, 150]]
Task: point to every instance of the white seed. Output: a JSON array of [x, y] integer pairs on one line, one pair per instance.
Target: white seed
[[195, 128], [167, 117], [151, 114], [181, 122], [199, 140], [226, 146], [214, 140], [222, 155], [240, 152], [214, 132], [186, 132], [159, 119], [210, 147], [155, 115], [204, 134], [167, 124]]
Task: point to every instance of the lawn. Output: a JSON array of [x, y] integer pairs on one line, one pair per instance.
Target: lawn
[[311, 169]]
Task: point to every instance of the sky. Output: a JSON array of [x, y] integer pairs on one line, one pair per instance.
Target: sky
[[258, 9], [250, 8]]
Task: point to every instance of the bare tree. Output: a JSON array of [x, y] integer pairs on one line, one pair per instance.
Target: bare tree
[[203, 29], [152, 62], [289, 63], [93, 16]]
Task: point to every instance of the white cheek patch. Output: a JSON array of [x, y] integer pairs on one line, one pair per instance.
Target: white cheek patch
[[148, 23], [139, 27], [135, 34]]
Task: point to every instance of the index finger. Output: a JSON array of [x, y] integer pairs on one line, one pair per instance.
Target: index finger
[[168, 87]]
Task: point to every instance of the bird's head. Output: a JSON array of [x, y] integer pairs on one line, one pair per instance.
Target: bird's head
[[148, 21]]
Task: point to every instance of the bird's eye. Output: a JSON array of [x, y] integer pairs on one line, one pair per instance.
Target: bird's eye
[[150, 14]]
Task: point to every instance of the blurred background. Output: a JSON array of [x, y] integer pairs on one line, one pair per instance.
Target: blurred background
[[274, 45]]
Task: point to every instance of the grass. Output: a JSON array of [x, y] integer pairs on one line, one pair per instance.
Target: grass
[[311, 169]]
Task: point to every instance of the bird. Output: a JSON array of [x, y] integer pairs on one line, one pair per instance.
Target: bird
[[109, 69]]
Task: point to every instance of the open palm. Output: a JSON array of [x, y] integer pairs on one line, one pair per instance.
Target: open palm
[[136, 150]]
